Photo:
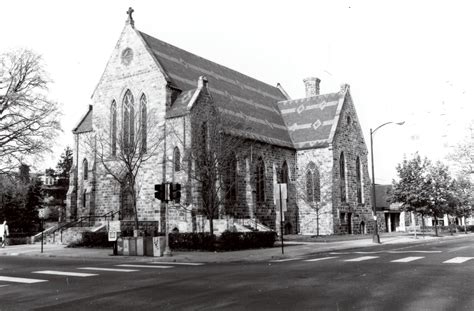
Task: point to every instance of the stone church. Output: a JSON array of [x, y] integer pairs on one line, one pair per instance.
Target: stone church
[[313, 144]]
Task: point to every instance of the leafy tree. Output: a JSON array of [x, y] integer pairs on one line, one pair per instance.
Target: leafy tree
[[423, 188], [462, 199], [463, 154], [63, 168], [29, 121]]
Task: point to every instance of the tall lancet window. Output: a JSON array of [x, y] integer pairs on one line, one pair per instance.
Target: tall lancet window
[[143, 122], [359, 181], [113, 128], [128, 122], [342, 177], [260, 181]]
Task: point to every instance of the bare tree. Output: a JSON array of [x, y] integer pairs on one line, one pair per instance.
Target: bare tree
[[29, 121], [124, 144]]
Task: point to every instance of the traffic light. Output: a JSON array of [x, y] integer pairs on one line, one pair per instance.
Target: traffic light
[[175, 193], [160, 192]]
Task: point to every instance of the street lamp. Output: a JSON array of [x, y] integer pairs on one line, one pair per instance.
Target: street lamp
[[376, 237]]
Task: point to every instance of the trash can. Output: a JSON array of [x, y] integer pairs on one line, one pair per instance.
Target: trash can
[[148, 241], [159, 243], [126, 246], [132, 246], [140, 246], [119, 246]]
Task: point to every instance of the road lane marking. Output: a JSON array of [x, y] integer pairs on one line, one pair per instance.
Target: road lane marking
[[3, 285], [458, 260], [284, 260], [108, 269], [65, 273], [424, 252], [145, 266], [407, 259], [362, 258], [20, 280], [322, 258], [176, 263]]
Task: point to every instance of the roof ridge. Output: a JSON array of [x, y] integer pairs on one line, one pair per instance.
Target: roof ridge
[[308, 98], [210, 61]]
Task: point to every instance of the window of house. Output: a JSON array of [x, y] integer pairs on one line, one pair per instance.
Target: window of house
[[128, 121], [359, 180], [143, 122], [260, 180], [309, 186], [342, 177], [177, 159], [84, 199], [85, 169], [113, 128], [342, 217]]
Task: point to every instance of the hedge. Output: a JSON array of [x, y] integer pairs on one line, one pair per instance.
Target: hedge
[[93, 239], [227, 241]]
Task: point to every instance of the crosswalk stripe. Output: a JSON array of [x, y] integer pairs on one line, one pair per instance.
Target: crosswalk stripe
[[362, 258], [319, 259], [65, 273], [458, 260], [3, 285], [107, 269], [20, 280], [144, 266], [284, 260], [407, 259], [176, 263]]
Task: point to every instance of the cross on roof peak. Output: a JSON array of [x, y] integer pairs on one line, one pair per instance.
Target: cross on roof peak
[[130, 17]]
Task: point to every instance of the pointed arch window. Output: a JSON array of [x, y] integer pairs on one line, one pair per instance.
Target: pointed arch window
[[230, 180], [284, 173], [85, 169], [143, 122], [113, 128], [359, 181], [260, 181], [342, 177], [313, 183], [128, 121], [177, 159]]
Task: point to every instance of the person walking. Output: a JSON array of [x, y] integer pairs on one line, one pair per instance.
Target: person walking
[[4, 232]]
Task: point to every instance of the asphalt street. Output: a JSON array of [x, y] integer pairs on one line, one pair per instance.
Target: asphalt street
[[430, 276]]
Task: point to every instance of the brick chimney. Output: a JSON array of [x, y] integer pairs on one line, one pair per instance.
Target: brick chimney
[[312, 86]]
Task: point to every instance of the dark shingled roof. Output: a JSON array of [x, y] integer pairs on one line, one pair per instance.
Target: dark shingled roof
[[85, 125], [251, 103], [311, 121]]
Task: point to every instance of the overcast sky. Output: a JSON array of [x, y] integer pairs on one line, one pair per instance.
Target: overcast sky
[[409, 61]]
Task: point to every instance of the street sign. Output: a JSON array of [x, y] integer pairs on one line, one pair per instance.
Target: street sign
[[280, 192]]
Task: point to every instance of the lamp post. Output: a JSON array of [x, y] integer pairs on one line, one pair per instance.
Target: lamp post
[[376, 237]]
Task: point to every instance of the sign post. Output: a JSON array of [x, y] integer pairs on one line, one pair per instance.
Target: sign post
[[281, 196], [41, 216]]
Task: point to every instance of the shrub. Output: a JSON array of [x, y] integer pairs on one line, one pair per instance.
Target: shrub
[[93, 239], [192, 241], [228, 241], [469, 228]]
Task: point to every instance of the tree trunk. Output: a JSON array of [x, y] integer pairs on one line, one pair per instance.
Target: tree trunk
[[436, 225], [211, 224], [135, 212]]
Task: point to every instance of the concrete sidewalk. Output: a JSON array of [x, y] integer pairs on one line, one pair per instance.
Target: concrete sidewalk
[[292, 249]]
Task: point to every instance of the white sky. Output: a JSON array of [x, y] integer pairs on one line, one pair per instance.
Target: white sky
[[407, 61]]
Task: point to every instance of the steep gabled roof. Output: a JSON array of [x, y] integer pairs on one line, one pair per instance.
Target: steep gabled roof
[[249, 102], [312, 121], [85, 125]]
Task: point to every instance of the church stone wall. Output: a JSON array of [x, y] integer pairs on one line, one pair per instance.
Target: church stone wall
[[351, 216], [139, 74], [319, 218]]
